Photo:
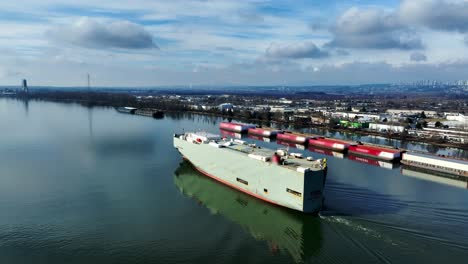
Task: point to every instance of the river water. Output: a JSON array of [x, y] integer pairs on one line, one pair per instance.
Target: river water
[[91, 185]]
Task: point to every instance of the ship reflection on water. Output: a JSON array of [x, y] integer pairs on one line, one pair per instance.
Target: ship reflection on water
[[226, 133], [374, 162], [437, 177], [284, 230], [290, 144], [339, 155], [260, 138]]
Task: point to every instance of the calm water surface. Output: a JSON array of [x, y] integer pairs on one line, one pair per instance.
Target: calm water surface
[[90, 185]]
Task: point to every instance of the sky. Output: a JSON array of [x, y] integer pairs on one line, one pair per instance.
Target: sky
[[228, 42]]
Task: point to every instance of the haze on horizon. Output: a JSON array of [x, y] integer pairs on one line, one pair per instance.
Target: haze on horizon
[[257, 42]]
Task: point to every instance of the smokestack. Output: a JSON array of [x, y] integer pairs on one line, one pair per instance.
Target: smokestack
[[24, 85]]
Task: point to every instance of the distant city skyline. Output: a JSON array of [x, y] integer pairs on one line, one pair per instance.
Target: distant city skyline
[[258, 42]]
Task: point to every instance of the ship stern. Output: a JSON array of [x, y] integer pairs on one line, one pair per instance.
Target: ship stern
[[314, 184]]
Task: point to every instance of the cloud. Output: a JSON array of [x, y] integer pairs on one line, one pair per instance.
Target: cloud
[[295, 51], [318, 26], [211, 35], [418, 56], [358, 72], [372, 29], [285, 72], [250, 17], [341, 52], [92, 33], [436, 14]]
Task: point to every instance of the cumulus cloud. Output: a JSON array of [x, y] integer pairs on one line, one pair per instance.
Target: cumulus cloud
[[296, 51], [466, 40], [91, 33], [418, 56], [436, 14], [372, 29]]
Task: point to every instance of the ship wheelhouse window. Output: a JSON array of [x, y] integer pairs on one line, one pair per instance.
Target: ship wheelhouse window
[[265, 190], [298, 194], [242, 181]]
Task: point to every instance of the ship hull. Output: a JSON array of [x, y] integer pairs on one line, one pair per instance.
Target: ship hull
[[430, 162], [126, 110], [375, 152], [332, 144], [269, 182], [235, 127], [263, 132], [289, 137], [228, 184]]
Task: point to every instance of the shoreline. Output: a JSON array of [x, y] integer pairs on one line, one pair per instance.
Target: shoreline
[[409, 139], [106, 103]]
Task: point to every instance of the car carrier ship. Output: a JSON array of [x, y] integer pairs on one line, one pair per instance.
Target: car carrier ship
[[277, 177]]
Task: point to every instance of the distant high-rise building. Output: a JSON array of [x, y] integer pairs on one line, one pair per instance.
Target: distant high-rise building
[[24, 85]]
